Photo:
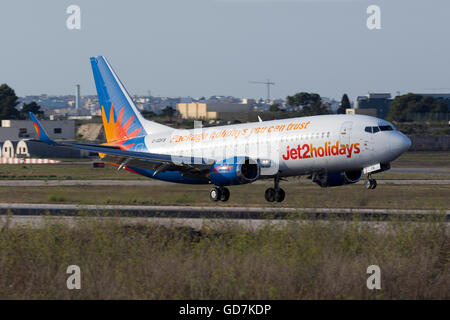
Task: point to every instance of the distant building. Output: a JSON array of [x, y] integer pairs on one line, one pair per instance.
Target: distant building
[[79, 117], [378, 101], [211, 110], [77, 97], [186, 100], [368, 111], [20, 129]]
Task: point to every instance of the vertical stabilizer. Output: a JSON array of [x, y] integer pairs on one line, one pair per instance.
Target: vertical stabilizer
[[121, 119]]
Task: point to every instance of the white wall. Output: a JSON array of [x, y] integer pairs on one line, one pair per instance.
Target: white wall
[[8, 150]]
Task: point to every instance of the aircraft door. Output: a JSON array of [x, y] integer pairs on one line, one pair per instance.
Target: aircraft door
[[345, 132], [368, 142]]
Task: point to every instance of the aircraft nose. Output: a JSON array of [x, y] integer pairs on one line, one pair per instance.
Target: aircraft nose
[[400, 143]]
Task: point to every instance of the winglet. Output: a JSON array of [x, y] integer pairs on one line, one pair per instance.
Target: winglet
[[42, 135]]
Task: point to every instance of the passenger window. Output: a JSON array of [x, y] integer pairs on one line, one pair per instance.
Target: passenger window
[[368, 129], [375, 129]]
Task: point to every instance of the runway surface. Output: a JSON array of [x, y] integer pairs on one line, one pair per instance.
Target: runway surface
[[152, 182], [195, 212], [431, 170]]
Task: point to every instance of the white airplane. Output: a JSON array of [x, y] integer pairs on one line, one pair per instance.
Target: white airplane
[[333, 150]]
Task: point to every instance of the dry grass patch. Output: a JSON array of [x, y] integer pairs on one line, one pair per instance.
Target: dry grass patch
[[314, 260]]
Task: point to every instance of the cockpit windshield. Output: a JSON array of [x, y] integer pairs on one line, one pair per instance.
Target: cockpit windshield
[[386, 128], [379, 128]]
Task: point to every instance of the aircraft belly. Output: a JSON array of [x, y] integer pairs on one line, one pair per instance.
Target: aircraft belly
[[169, 176]]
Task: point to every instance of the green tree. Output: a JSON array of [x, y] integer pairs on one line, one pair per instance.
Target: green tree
[[403, 107], [344, 105], [30, 107], [303, 99], [8, 103], [274, 107], [168, 112], [148, 114], [309, 104]]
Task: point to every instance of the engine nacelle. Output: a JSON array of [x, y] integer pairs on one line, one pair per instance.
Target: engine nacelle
[[336, 179], [236, 170]]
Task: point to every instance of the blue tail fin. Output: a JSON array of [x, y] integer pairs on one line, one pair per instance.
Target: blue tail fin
[[42, 135], [121, 119]]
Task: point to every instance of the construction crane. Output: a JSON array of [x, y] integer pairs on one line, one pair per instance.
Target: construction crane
[[267, 83]]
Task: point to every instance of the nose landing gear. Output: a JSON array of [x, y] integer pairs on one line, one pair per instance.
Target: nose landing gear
[[219, 193], [276, 193], [370, 183]]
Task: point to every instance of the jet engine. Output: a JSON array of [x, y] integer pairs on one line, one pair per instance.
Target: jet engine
[[335, 179], [236, 170]]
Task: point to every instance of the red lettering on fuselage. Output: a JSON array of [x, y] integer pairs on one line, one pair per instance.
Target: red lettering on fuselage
[[306, 151]]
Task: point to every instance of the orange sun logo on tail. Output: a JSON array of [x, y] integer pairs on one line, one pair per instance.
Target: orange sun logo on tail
[[116, 133], [37, 129]]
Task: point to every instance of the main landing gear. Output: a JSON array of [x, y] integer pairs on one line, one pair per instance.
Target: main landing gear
[[370, 183], [276, 193], [219, 193]]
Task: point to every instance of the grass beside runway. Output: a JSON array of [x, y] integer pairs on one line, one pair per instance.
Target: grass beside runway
[[314, 260], [64, 171], [423, 159], [297, 195]]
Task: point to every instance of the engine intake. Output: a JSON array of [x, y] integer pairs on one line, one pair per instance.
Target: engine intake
[[236, 170]]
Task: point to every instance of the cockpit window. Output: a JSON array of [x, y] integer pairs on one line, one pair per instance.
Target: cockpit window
[[371, 129], [377, 129], [386, 128]]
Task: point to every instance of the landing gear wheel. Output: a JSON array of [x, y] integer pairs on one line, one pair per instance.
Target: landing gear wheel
[[270, 194], [214, 194], [370, 183], [279, 195], [224, 194], [276, 193]]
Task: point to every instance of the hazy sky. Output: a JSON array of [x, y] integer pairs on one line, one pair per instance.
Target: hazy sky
[[207, 47]]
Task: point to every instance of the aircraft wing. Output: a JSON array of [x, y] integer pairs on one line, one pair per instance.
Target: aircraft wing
[[113, 154]]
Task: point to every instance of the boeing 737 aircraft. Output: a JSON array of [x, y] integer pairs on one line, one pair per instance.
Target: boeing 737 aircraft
[[332, 150]]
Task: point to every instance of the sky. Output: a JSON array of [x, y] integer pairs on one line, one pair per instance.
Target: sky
[[215, 47]]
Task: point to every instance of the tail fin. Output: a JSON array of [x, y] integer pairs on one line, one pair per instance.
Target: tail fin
[[42, 135], [121, 119]]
